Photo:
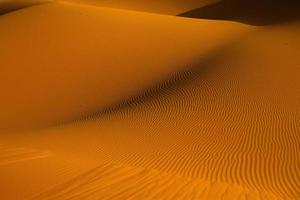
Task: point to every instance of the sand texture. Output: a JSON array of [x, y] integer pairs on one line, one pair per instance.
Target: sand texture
[[146, 100]]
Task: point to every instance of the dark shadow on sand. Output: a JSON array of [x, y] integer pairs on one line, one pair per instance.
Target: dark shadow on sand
[[253, 12], [7, 7]]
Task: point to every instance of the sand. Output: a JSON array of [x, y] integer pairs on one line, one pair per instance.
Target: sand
[[122, 104], [37, 62], [170, 7], [7, 6]]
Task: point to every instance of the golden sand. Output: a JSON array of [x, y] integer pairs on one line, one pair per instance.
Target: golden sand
[[105, 103], [171, 7]]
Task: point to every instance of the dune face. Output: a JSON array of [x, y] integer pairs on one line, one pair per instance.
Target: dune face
[[105, 103], [48, 58]]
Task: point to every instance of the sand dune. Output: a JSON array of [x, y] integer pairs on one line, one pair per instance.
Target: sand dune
[[131, 105], [47, 58]]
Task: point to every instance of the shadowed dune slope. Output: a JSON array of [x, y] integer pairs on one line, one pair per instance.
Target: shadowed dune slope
[[98, 58], [255, 12], [13, 5], [172, 7]]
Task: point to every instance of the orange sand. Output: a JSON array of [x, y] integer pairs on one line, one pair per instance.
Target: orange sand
[[103, 103], [172, 7]]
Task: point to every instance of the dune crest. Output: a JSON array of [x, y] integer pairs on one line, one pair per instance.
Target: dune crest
[[170, 7]]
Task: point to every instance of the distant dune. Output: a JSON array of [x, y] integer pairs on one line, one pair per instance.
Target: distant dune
[[102, 101], [256, 12], [13, 5]]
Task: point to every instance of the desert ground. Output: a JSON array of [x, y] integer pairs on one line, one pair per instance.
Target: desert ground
[[146, 100]]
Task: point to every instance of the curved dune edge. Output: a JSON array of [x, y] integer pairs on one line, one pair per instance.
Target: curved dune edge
[[7, 6], [170, 7], [103, 42]]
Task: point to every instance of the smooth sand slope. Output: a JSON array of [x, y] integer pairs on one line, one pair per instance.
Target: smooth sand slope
[[98, 58], [178, 108]]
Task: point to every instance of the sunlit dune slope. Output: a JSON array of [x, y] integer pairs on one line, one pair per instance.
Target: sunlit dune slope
[[12, 5], [73, 60], [172, 7]]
